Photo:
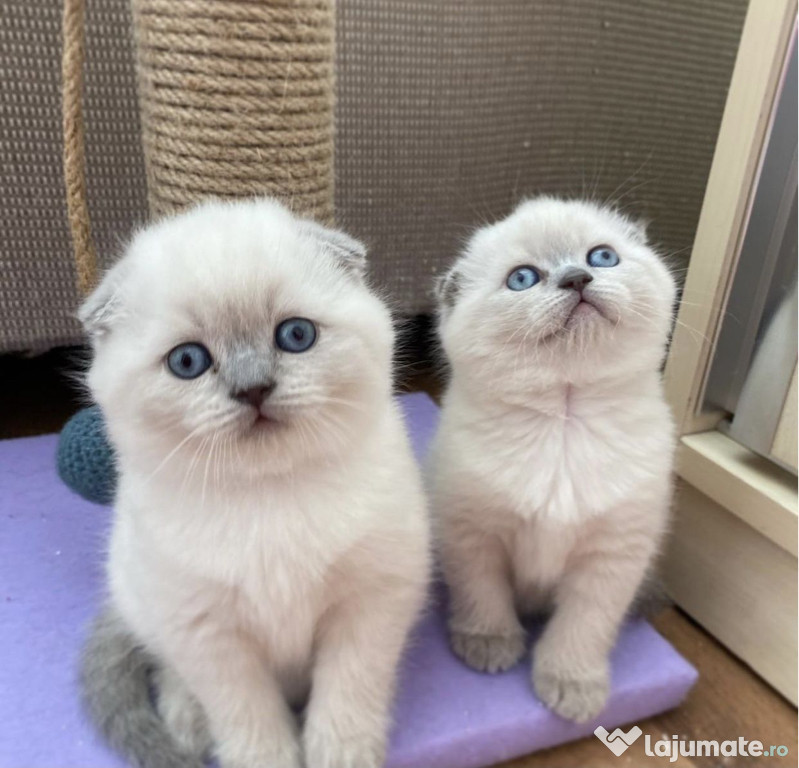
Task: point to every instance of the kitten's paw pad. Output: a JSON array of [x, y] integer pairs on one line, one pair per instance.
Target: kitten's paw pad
[[488, 653], [572, 697], [331, 752]]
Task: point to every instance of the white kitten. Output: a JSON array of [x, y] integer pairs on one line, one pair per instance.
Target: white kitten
[[270, 538], [551, 468]]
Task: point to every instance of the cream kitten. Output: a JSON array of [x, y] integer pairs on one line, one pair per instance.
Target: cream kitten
[[270, 540], [551, 468]]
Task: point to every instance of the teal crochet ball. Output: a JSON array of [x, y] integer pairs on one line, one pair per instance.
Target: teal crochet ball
[[85, 458]]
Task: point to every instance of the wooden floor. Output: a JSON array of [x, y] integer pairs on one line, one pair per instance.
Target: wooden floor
[[728, 701]]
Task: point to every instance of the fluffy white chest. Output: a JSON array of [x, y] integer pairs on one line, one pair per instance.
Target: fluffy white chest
[[280, 574], [284, 591], [573, 458], [258, 563]]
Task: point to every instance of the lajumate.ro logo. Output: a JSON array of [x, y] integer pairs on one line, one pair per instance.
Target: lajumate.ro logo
[[620, 741]]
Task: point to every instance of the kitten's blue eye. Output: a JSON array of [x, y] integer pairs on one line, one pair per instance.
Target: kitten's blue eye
[[188, 361], [602, 256], [522, 278], [295, 335]]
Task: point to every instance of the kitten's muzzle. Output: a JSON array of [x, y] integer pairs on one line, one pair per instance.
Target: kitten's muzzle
[[255, 395], [575, 279]]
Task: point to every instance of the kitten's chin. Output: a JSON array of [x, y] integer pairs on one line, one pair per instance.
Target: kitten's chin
[[583, 312], [262, 434], [580, 320], [288, 442]]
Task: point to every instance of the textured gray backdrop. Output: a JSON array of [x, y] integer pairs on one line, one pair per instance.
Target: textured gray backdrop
[[449, 111]]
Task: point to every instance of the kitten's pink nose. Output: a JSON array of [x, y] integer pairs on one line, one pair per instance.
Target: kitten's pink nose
[[255, 395], [575, 278]]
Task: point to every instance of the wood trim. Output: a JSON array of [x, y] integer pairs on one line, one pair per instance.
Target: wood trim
[[754, 489], [758, 67], [737, 584]]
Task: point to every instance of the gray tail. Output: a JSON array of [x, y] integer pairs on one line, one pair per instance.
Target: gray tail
[[115, 678]]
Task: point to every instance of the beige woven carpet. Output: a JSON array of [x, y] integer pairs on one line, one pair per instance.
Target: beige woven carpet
[[448, 113]]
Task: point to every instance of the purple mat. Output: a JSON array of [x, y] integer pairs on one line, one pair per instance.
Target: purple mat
[[446, 715]]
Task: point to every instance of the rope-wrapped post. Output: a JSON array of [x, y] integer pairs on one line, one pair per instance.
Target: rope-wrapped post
[[74, 156], [236, 100]]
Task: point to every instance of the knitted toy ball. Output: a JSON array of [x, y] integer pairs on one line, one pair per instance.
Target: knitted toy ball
[[85, 458]]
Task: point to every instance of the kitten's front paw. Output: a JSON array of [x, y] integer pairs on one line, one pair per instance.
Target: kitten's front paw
[[488, 653], [328, 750], [578, 697], [182, 714], [285, 754]]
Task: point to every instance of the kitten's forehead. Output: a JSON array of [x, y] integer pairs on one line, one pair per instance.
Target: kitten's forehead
[[230, 264], [551, 230]]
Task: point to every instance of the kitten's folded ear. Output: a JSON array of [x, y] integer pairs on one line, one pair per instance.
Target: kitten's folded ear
[[638, 230], [447, 287], [348, 251], [104, 304]]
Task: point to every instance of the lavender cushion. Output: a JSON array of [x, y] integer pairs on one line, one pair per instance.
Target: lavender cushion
[[446, 716]]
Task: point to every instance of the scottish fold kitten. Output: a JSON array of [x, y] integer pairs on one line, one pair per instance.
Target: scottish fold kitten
[[551, 467], [270, 543]]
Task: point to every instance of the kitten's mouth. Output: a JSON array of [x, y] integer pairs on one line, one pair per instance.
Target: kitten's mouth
[[582, 309], [262, 421]]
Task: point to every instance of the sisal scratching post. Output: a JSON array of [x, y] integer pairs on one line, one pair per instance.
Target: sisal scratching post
[[236, 100], [74, 154]]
